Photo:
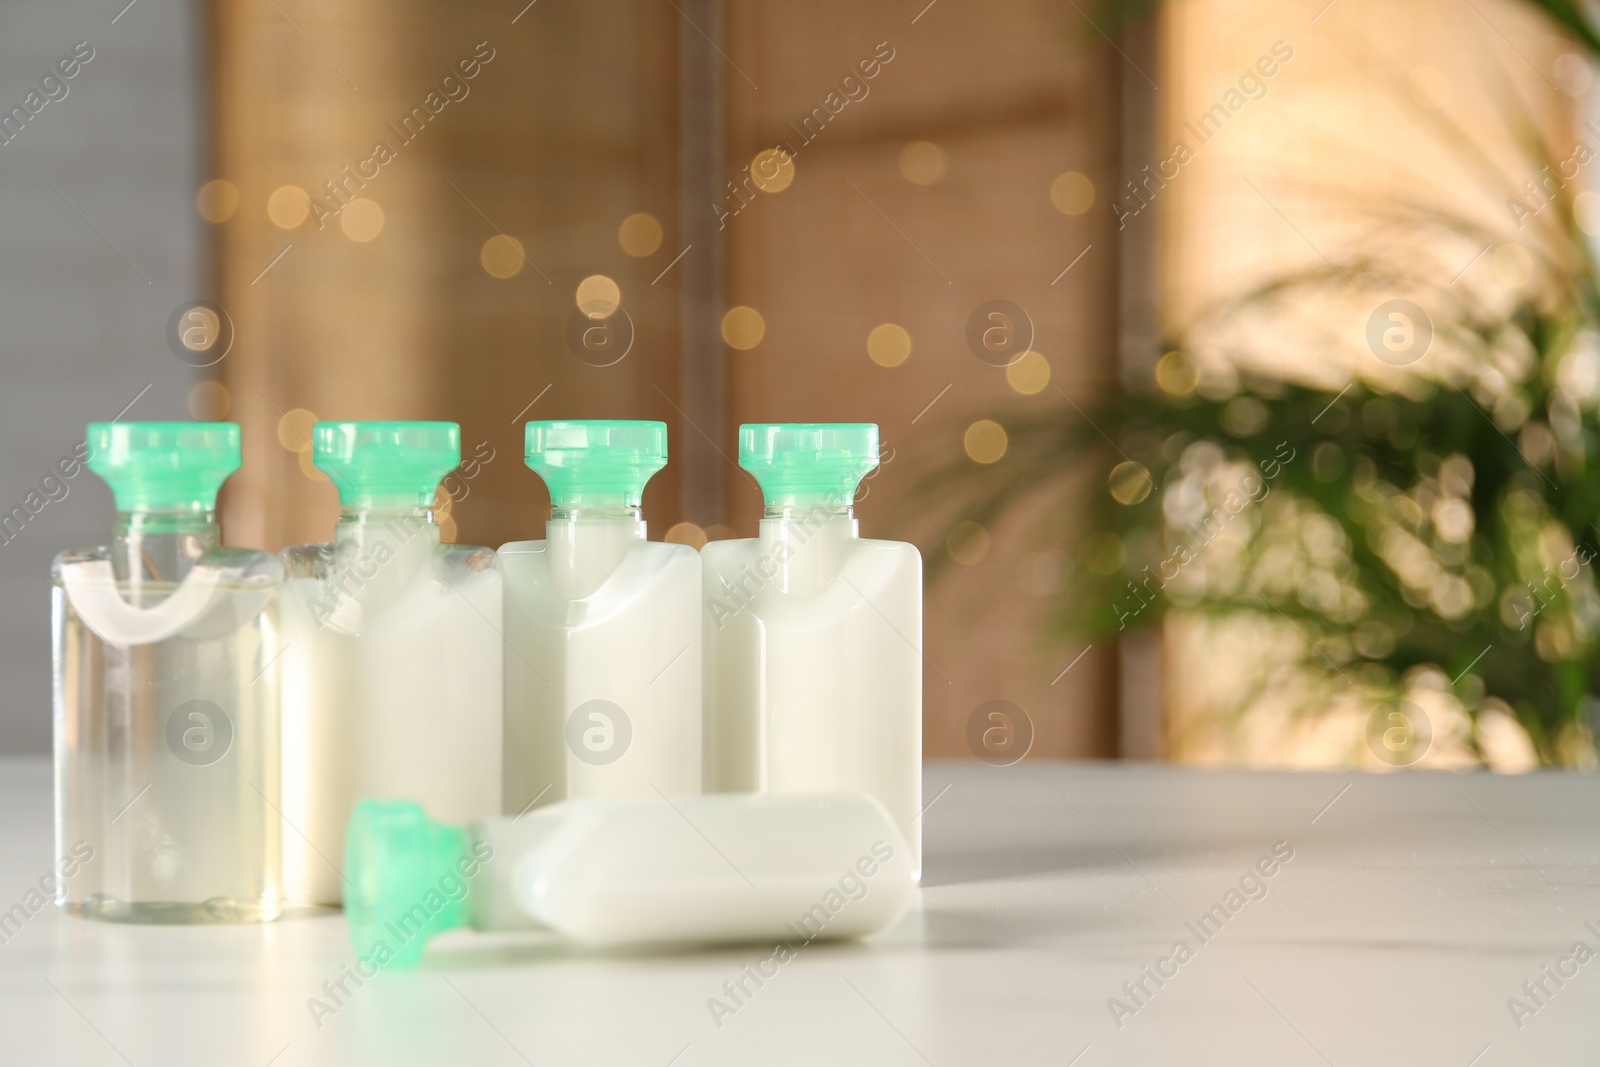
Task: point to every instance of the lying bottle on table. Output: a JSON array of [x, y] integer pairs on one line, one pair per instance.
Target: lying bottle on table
[[649, 871]]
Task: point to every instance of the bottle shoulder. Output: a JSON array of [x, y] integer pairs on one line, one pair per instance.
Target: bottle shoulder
[[735, 551], [649, 549], [245, 563]]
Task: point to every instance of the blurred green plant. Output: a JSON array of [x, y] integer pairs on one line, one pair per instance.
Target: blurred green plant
[[1427, 521]]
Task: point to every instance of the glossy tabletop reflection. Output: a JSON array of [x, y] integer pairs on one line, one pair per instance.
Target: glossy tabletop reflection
[[1406, 919]]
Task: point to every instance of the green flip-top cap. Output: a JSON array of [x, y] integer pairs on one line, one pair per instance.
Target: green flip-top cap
[[164, 466], [808, 462], [594, 464], [405, 875], [386, 464]]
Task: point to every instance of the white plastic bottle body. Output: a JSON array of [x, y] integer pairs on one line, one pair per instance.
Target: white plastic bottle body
[[603, 669], [695, 870], [814, 670], [392, 683]]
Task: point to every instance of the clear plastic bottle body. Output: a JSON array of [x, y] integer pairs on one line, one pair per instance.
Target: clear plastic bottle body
[[813, 643], [392, 672], [603, 669], [165, 724]]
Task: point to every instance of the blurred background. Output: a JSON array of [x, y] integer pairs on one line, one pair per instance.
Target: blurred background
[[1237, 362]]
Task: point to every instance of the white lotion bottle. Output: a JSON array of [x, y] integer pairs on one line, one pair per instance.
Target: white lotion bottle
[[603, 626], [649, 871], [392, 652], [813, 634]]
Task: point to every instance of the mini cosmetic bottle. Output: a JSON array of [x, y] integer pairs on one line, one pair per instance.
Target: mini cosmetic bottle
[[813, 634], [602, 628], [166, 693], [392, 666], [786, 869]]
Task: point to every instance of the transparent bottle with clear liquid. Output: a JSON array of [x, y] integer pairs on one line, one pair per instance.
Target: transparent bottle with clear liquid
[[392, 667], [603, 665], [813, 634], [166, 693]]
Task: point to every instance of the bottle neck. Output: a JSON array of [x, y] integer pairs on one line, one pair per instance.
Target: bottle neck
[[806, 544], [587, 544], [161, 546], [360, 525]]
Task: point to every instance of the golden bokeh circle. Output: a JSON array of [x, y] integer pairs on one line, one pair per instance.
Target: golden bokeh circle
[[288, 206], [686, 533], [294, 429], [1029, 374], [1176, 373], [743, 327], [501, 256], [985, 441], [208, 401], [598, 296], [361, 220], [310, 469], [1129, 482], [889, 344], [967, 543], [217, 200], [923, 163], [772, 170], [1072, 193], [640, 234]]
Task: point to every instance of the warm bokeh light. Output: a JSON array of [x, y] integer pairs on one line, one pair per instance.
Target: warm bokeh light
[[1176, 373], [686, 533], [640, 234], [985, 441], [1028, 374], [208, 401], [288, 206], [598, 296], [310, 469], [1586, 209], [967, 543], [1072, 193], [501, 256], [294, 429], [361, 220], [1103, 553], [772, 170], [1513, 265], [217, 200], [743, 327], [889, 345], [923, 163], [1572, 74], [1129, 482]]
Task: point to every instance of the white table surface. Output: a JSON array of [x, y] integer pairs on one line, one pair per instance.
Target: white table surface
[[1414, 906]]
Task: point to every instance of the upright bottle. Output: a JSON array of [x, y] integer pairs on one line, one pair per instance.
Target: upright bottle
[[392, 651], [813, 635], [166, 694], [603, 668]]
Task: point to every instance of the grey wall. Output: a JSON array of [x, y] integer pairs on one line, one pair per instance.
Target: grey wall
[[82, 333]]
